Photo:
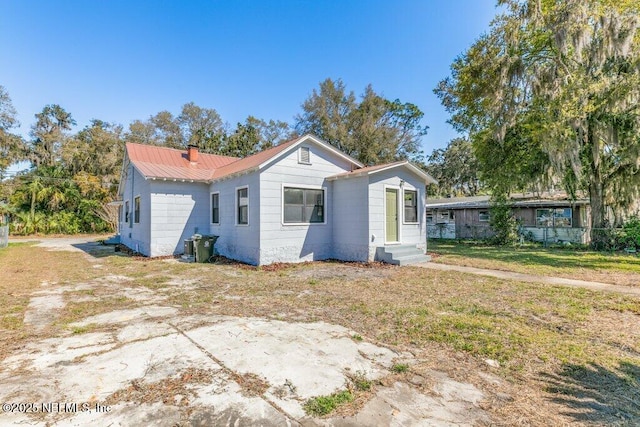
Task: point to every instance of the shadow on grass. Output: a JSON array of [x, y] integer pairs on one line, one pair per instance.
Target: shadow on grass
[[595, 394], [97, 249]]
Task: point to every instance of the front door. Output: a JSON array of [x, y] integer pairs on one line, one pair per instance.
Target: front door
[[391, 215]]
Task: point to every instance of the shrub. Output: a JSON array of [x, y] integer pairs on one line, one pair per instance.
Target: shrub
[[503, 222]]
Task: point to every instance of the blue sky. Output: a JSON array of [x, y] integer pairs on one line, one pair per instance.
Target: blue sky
[[124, 60]]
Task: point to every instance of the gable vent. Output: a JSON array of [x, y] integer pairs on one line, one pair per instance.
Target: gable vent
[[305, 156]]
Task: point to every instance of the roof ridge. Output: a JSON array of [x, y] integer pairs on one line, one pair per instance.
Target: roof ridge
[[181, 150]]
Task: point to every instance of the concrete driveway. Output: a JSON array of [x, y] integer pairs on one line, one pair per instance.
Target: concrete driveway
[[154, 366]]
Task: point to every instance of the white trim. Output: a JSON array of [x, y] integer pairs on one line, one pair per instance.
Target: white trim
[[416, 170], [384, 205], [404, 220], [211, 207], [236, 206], [303, 187]]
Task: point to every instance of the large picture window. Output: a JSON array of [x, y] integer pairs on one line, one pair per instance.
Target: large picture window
[[410, 206], [303, 205], [136, 210], [243, 206], [560, 217], [215, 208]]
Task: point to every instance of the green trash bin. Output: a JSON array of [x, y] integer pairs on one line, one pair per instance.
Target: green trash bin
[[204, 247]]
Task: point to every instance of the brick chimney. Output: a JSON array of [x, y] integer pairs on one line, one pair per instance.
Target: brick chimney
[[192, 154]]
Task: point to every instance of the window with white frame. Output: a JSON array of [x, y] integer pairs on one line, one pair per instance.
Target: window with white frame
[[304, 155], [303, 205], [242, 200], [215, 208], [410, 206], [484, 216], [136, 210]]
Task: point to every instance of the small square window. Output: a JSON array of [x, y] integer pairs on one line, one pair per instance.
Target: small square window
[[483, 216]]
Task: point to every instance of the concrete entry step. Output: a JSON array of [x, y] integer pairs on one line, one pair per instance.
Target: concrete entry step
[[401, 255]]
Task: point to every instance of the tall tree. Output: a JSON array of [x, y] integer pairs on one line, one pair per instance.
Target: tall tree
[[201, 126], [564, 78], [48, 133], [97, 150], [326, 113], [12, 148], [456, 169], [193, 126], [374, 130]]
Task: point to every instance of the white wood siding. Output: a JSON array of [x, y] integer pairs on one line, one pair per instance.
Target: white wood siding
[[239, 242], [136, 236], [409, 233], [296, 243], [178, 210], [351, 228]]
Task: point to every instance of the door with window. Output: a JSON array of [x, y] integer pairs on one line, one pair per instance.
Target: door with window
[[391, 215]]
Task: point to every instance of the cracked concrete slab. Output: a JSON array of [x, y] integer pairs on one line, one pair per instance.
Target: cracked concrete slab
[[311, 359], [314, 358], [154, 345], [123, 316]]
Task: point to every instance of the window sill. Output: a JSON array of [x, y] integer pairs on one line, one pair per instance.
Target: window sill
[[303, 223]]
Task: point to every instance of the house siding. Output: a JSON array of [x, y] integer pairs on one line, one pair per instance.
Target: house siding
[[136, 236], [410, 234], [350, 231], [297, 243], [239, 242], [178, 210]]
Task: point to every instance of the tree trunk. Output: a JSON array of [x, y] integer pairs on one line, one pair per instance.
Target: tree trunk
[[600, 237]]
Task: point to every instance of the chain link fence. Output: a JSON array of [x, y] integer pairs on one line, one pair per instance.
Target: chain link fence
[[604, 239]]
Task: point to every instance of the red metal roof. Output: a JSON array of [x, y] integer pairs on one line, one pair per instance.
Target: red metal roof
[[162, 162]]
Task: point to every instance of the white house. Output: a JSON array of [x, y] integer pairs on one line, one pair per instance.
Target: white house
[[299, 201]]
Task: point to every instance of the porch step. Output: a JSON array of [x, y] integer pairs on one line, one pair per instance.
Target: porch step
[[401, 255]]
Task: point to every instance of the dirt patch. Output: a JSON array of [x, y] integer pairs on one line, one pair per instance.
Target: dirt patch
[[169, 391]]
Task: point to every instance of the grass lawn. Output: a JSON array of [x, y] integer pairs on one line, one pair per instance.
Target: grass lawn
[[565, 355], [619, 269]]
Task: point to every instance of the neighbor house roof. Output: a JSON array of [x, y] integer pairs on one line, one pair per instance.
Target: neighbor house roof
[[379, 168], [518, 200], [161, 162]]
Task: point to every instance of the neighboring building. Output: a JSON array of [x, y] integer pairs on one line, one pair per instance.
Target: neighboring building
[[546, 217], [301, 200]]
